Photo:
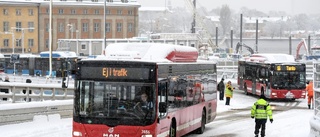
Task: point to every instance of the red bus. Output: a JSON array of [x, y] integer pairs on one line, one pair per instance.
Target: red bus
[[277, 76], [182, 93]]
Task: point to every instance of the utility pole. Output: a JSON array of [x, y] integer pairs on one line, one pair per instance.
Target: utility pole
[[193, 24], [104, 24]]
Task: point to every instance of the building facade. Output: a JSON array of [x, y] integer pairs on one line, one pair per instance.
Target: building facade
[[70, 20], [18, 27]]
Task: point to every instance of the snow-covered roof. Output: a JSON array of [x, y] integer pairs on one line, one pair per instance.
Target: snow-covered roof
[[271, 58], [214, 18], [150, 51], [263, 19], [58, 54], [158, 9], [73, 2]]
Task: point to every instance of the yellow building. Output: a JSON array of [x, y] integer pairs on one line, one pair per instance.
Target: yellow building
[[18, 27], [74, 19]]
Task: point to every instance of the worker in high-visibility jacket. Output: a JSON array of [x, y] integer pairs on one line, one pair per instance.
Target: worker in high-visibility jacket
[[261, 111], [309, 90], [229, 92]]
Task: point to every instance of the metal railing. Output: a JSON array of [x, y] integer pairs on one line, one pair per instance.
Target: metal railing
[[18, 92]]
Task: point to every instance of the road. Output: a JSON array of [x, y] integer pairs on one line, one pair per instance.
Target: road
[[291, 118]]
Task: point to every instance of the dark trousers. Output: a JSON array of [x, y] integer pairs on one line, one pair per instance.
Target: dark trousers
[[24, 92], [260, 123], [5, 91], [221, 95], [227, 100]]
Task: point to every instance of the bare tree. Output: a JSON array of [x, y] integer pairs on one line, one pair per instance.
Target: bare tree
[[225, 19], [272, 29], [302, 21]]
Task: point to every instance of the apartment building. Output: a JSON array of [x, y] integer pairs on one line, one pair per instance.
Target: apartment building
[[18, 27], [71, 19]]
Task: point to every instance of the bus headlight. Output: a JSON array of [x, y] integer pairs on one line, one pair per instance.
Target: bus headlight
[[146, 136], [77, 134]]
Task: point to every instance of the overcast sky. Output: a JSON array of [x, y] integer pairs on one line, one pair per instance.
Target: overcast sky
[[289, 6]]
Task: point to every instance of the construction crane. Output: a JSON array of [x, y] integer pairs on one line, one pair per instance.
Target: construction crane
[[197, 22]]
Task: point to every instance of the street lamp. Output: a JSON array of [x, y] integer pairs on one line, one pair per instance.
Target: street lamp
[[104, 23], [77, 37], [22, 39], [71, 30]]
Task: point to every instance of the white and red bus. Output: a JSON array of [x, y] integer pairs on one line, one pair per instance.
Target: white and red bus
[[182, 91], [277, 76]]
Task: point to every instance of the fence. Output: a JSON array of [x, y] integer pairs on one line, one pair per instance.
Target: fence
[[17, 92]]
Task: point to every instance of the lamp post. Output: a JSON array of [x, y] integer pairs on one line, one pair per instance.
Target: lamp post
[[71, 35], [231, 37], [22, 39], [77, 37], [71, 30], [104, 23]]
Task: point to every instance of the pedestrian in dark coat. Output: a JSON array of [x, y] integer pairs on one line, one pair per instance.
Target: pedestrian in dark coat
[[6, 79], [221, 88]]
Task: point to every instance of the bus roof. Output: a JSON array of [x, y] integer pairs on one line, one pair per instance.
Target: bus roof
[[151, 51], [270, 58], [58, 54]]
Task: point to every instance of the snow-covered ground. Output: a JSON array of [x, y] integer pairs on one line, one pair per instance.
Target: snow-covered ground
[[291, 119]]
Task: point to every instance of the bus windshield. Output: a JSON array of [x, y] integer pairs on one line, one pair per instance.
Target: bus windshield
[[114, 103], [285, 80]]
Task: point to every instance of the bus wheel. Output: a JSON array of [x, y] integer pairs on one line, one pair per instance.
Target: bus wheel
[[245, 89], [172, 132], [200, 130]]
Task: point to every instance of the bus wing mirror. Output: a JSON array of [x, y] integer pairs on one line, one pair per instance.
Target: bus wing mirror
[[64, 82], [162, 107]]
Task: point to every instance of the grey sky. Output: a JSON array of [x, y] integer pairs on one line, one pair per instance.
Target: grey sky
[[289, 6]]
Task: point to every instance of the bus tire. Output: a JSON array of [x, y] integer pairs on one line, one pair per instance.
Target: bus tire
[[201, 129], [173, 132]]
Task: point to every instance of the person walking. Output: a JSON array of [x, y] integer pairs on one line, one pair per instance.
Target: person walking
[[261, 111], [221, 88], [229, 92], [6, 79], [310, 91]]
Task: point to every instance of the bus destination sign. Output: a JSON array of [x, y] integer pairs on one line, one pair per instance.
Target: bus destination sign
[[115, 73], [286, 68]]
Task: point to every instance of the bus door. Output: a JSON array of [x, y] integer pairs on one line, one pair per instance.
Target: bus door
[[240, 76], [254, 85], [162, 119]]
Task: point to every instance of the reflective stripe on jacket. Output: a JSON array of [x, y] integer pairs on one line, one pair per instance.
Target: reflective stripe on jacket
[[261, 110]]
